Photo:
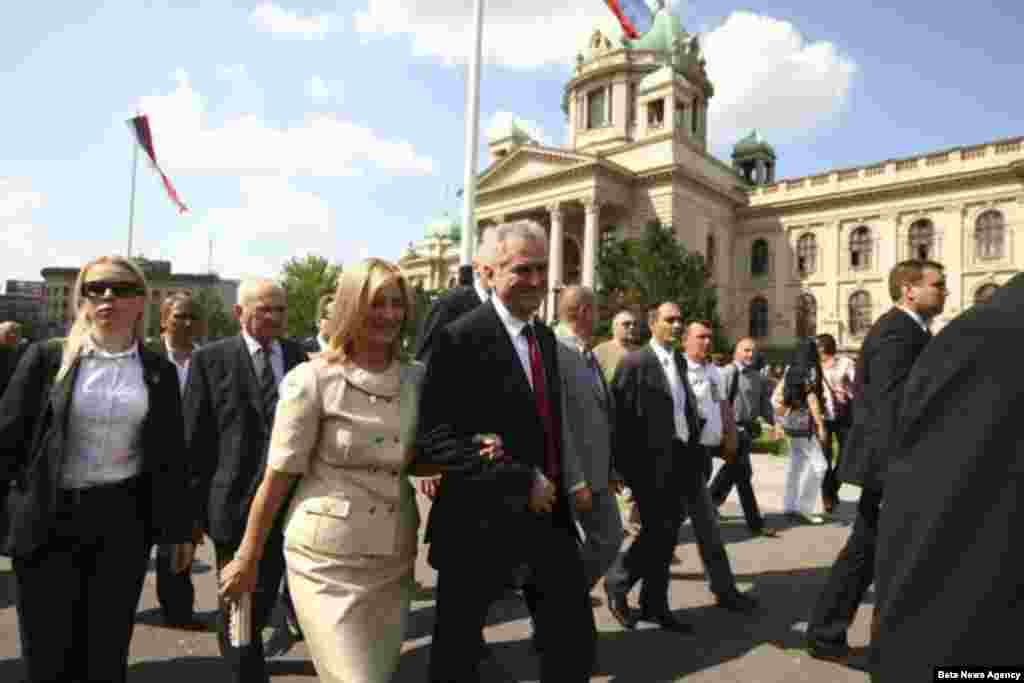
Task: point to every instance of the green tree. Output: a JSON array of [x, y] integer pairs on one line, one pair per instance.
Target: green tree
[[305, 281], [217, 322], [642, 273]]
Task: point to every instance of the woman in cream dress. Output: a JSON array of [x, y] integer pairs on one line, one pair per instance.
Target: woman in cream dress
[[344, 427]]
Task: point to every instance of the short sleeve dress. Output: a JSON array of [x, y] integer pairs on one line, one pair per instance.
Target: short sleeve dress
[[350, 535]]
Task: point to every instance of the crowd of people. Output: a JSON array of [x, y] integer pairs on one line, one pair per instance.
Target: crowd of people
[[541, 453]]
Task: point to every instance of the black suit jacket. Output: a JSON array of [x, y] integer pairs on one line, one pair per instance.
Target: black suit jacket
[[9, 358], [645, 423], [475, 384], [886, 358], [451, 306], [227, 432], [33, 436], [949, 582]]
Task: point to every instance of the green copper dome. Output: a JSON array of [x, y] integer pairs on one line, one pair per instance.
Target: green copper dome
[[753, 144], [662, 36], [444, 227]]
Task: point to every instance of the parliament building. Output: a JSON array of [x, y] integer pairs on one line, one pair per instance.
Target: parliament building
[[790, 257]]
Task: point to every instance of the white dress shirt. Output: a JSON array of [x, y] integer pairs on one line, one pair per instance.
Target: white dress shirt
[[182, 366], [668, 364], [514, 326], [108, 404], [480, 291], [276, 355], [708, 388]]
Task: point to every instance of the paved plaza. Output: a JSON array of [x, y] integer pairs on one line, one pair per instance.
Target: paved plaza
[[785, 574]]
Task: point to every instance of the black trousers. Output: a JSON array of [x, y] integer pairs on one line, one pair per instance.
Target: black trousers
[[661, 508], [248, 663], [830, 485], [78, 594], [175, 592], [852, 573], [739, 473], [697, 506], [562, 611]]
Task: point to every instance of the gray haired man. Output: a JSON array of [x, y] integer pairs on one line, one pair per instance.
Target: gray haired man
[[589, 417]]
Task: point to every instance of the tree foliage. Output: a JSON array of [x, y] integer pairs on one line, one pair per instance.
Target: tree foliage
[[305, 281], [217, 322], [643, 273]]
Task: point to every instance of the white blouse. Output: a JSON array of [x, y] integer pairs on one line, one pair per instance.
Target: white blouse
[[108, 405]]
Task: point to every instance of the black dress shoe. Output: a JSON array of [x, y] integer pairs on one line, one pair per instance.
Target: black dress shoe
[[618, 605], [825, 650], [737, 602], [185, 623], [668, 621], [766, 532]]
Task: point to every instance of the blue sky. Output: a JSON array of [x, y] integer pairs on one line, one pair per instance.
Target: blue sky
[[337, 129]]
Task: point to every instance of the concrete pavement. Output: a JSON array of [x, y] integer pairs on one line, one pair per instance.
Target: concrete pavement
[[784, 573]]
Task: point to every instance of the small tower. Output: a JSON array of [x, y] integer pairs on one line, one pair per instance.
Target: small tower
[[754, 159], [505, 139]]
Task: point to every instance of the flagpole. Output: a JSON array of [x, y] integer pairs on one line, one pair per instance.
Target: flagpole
[[472, 144], [131, 200]]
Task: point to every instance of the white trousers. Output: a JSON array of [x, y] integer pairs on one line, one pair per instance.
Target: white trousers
[[806, 471]]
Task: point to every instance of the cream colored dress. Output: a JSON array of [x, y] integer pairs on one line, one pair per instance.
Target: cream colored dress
[[350, 536]]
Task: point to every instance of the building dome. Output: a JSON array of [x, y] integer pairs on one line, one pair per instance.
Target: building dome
[[508, 129], [666, 29], [753, 144]]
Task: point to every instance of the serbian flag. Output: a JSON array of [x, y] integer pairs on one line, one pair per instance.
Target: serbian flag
[[635, 16], [143, 136]]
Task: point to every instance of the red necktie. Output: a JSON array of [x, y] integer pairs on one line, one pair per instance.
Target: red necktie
[[552, 459]]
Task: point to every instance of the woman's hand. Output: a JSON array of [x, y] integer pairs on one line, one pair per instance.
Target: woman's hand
[[183, 555], [238, 577]]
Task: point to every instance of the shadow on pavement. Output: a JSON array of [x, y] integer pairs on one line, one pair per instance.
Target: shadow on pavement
[[207, 669], [154, 617]]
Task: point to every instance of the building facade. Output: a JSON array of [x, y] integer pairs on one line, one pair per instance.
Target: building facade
[[789, 257], [59, 282]]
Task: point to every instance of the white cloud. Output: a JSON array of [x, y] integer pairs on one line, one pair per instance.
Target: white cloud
[[28, 244], [269, 17], [525, 34], [273, 222], [321, 145], [316, 88], [767, 76], [500, 121]]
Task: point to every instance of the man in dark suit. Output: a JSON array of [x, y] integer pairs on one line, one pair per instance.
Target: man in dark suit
[[658, 453], [888, 353], [324, 313], [949, 581], [494, 517], [229, 410]]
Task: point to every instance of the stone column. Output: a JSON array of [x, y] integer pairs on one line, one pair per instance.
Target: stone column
[[556, 260], [779, 269], [592, 211]]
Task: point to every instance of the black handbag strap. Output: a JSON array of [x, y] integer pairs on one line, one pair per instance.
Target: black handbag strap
[[735, 386]]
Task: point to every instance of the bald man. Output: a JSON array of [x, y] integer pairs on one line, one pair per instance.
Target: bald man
[[229, 404]]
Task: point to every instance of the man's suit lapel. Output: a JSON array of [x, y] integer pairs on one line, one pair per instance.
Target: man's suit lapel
[[505, 351], [691, 398], [247, 375], [657, 371]]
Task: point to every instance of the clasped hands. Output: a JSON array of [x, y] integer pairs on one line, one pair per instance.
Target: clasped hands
[[491, 449]]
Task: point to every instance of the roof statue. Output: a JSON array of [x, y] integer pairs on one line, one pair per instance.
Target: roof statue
[[753, 143]]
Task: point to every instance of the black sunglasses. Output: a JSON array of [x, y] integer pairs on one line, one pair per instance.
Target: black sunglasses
[[120, 289]]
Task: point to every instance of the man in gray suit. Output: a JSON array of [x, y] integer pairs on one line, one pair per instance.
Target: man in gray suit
[[589, 416], [750, 397]]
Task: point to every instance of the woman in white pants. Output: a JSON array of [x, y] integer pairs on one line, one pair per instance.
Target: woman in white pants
[[798, 401]]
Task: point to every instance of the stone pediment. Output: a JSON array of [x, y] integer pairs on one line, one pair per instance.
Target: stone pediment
[[528, 163]]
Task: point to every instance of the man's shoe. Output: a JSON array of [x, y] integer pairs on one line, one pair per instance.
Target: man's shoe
[[825, 650], [669, 622], [737, 602], [618, 605], [765, 532]]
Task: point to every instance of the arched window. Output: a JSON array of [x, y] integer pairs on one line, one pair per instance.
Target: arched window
[[985, 293], [709, 257], [759, 317], [922, 240], [806, 315], [860, 248], [759, 258], [860, 313], [806, 254], [989, 235]]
